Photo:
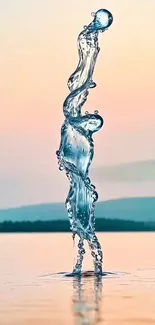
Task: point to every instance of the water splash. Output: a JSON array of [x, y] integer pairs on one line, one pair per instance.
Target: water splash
[[76, 149]]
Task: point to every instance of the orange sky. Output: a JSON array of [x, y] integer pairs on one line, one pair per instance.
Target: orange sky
[[39, 53]]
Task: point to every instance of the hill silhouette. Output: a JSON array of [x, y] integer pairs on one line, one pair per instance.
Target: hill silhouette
[[132, 209]]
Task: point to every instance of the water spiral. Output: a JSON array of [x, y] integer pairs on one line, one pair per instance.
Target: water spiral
[[76, 149]]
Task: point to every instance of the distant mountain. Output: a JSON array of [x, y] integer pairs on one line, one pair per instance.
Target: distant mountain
[[132, 179], [140, 171], [135, 209]]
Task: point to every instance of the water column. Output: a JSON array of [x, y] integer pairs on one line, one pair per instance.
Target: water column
[[76, 149]]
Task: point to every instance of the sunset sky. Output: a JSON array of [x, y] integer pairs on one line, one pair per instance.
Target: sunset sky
[[38, 54]]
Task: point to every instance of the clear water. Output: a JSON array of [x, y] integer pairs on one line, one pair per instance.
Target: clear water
[[77, 148]]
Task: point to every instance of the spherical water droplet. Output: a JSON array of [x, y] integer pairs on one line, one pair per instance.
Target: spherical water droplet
[[69, 177], [58, 153], [96, 112], [87, 181], [93, 14], [86, 113], [92, 84], [61, 167], [95, 196], [98, 257], [85, 26], [104, 18], [68, 205]]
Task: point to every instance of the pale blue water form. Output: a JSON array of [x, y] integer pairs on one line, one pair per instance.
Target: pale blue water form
[[76, 149]]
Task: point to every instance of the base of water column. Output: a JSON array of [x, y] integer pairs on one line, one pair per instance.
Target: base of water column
[[85, 274]]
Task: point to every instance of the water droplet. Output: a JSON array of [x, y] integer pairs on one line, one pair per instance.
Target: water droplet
[[93, 14], [96, 112], [87, 181], [92, 84], [61, 167], [69, 177], [68, 205], [85, 26], [86, 113], [103, 18], [95, 196], [58, 153]]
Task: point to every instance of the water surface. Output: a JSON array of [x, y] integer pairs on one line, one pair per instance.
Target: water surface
[[34, 289]]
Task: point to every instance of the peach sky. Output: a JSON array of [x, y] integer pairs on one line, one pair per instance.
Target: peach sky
[[38, 54]]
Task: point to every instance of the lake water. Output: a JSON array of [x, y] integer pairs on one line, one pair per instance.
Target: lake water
[[34, 290]]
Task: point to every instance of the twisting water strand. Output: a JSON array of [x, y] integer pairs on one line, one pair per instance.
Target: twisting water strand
[[77, 148]]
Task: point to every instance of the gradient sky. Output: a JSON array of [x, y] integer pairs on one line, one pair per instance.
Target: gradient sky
[[38, 54]]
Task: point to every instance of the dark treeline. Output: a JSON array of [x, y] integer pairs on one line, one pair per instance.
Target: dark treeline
[[63, 226]]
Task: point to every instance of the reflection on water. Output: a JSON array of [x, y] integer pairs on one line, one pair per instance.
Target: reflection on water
[[87, 296]]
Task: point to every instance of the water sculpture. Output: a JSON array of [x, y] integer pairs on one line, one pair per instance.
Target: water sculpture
[[76, 149]]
